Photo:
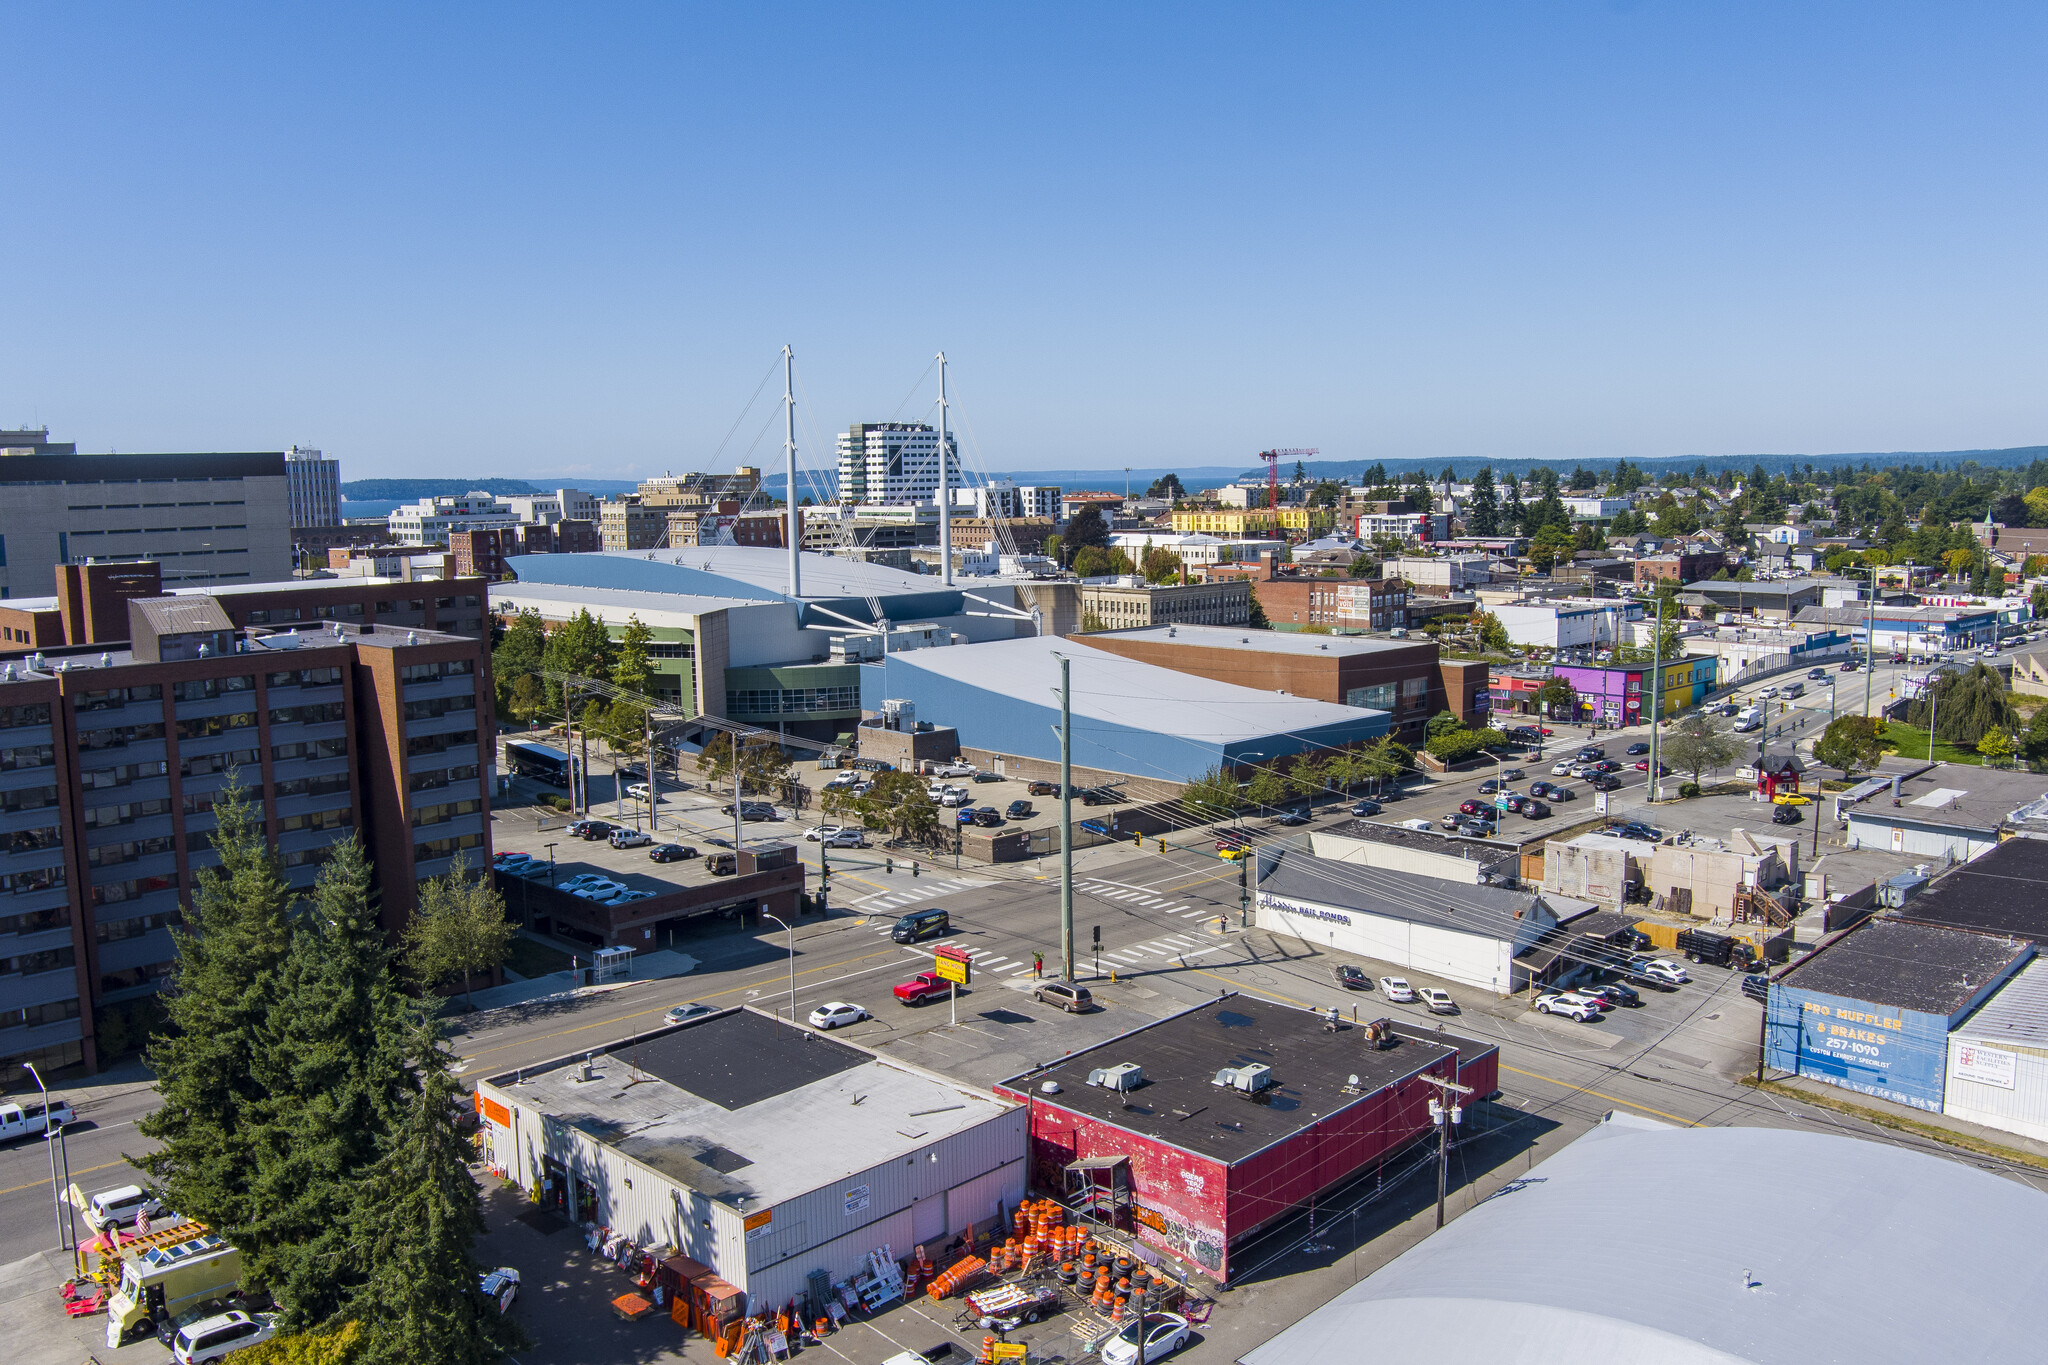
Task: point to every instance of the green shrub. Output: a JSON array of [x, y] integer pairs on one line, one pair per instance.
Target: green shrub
[[1688, 790]]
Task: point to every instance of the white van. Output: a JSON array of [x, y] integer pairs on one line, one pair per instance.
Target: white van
[[1750, 718], [120, 1206]]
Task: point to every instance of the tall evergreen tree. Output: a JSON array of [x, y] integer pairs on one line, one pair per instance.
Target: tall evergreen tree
[[218, 1003], [335, 1076], [413, 1232], [1482, 513], [634, 666], [1514, 518]]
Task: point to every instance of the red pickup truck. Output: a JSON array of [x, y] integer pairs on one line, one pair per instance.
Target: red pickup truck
[[922, 987]]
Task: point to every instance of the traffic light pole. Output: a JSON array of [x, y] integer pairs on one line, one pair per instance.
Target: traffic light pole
[[1066, 817]]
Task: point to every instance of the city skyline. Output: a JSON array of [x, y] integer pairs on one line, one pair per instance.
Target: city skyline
[[537, 248]]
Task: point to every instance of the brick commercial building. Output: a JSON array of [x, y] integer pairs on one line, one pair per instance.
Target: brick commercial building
[[1295, 599], [1679, 568], [112, 752], [1400, 677], [1201, 1130], [484, 554], [1123, 602]]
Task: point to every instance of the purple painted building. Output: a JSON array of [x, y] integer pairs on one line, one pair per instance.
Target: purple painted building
[[1612, 694]]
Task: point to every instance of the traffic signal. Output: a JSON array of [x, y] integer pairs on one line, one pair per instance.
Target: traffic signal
[[1096, 935]]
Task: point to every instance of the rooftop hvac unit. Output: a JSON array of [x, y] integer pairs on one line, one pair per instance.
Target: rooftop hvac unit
[[1122, 1076], [1249, 1079], [899, 714], [1898, 890]]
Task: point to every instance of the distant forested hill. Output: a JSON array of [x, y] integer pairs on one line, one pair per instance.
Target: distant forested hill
[[406, 490]]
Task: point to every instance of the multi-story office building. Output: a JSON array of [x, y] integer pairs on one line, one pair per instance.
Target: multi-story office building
[[564, 504], [313, 483], [111, 761], [206, 518], [428, 521], [698, 488], [1001, 499], [893, 462], [629, 524], [1128, 602]]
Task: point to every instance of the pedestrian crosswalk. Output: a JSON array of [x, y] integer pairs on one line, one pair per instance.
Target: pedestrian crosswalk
[[895, 899]]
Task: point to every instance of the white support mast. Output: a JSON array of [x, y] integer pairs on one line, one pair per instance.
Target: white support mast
[[790, 529], [945, 492]]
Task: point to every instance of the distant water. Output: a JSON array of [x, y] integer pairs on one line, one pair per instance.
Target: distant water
[[369, 509]]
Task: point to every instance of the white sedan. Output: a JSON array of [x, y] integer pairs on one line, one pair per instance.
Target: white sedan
[[822, 833], [1664, 969], [1562, 767], [1439, 1002], [836, 1013], [1397, 989], [1422, 825], [1141, 1341]]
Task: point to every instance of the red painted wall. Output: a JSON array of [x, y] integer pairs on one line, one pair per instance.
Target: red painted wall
[[1195, 1207]]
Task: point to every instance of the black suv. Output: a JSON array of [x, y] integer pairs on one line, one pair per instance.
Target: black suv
[[1018, 810]]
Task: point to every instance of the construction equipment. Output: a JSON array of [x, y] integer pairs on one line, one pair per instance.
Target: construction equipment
[[1272, 459]]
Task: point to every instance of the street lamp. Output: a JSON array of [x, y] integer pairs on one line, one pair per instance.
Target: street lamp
[[767, 914], [551, 867], [50, 1138]]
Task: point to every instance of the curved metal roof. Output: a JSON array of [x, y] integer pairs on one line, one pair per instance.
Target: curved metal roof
[[1652, 1244]]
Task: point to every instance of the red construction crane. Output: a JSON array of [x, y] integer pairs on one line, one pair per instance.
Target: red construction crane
[[1272, 459]]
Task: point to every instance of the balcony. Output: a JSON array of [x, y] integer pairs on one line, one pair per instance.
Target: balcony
[[28, 902], [15, 1041], [141, 951], [20, 992], [148, 903]]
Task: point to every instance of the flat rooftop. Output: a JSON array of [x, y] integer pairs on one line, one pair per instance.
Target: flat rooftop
[[1292, 643], [745, 1108], [1422, 841], [1960, 795], [1489, 910], [2003, 891], [754, 572], [1180, 1104], [1910, 966]]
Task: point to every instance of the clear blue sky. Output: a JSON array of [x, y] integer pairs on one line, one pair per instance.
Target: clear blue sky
[[569, 239]]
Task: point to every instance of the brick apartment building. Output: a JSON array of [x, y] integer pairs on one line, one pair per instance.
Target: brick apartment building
[[483, 553], [1291, 599], [1679, 568], [114, 744]]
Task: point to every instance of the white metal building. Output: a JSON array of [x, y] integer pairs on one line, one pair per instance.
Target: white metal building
[[759, 1148], [1465, 933], [1998, 1058], [1556, 626]]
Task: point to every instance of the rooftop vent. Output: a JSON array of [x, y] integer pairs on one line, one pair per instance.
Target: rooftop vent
[[1122, 1076], [1249, 1079]]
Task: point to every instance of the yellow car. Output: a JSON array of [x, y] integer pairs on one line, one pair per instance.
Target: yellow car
[[1231, 854], [1784, 799]]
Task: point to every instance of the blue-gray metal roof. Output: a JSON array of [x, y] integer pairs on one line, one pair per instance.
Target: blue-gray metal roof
[[2017, 1014], [1649, 1244], [752, 573]]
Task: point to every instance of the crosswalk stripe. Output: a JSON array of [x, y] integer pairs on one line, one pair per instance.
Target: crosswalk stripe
[[1125, 955], [990, 961]]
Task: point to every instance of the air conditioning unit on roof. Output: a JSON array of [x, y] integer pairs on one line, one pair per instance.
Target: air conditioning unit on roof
[[1122, 1076]]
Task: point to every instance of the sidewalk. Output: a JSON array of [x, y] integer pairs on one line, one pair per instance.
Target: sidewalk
[[658, 965]]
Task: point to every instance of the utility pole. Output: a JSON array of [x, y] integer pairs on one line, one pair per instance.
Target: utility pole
[[1445, 1116], [653, 782], [1656, 693], [945, 493], [790, 527], [1066, 817], [1870, 643]]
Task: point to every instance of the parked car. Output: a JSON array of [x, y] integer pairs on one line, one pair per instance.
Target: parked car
[[1072, 998], [953, 770], [818, 834], [671, 853], [1513, 775], [1570, 1006], [1439, 1002], [1757, 986], [1636, 830], [1365, 808], [631, 838], [987, 817], [120, 1206], [215, 1338], [722, 864], [1155, 1336], [1639, 748], [1352, 978], [1454, 820], [1613, 992], [640, 791], [836, 1013], [593, 829], [683, 1014], [1659, 969], [988, 777], [846, 838], [1397, 989], [1509, 801], [1786, 815], [584, 879], [1476, 828], [1019, 810], [1043, 788], [921, 989], [751, 810], [956, 797]]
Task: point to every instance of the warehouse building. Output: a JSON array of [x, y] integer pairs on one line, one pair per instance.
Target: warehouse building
[[1872, 1011], [759, 1148], [1400, 677], [1865, 1248], [1206, 1127], [1466, 933], [1998, 1059], [1002, 696], [2005, 891], [1423, 853], [1950, 811]]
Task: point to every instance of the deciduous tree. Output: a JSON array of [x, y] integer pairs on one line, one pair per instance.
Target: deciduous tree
[[1849, 745], [459, 929]]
